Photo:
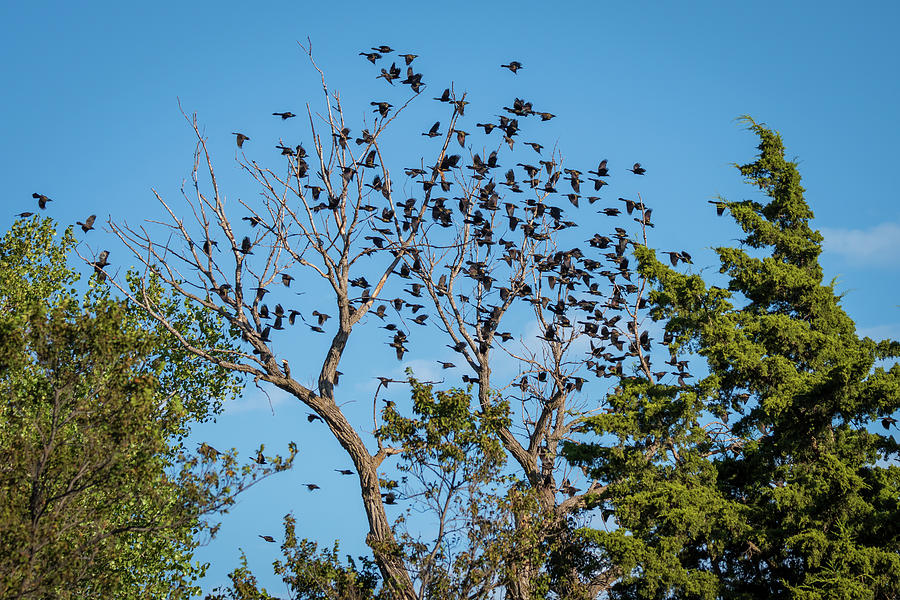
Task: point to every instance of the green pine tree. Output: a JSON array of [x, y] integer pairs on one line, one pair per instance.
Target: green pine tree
[[775, 475]]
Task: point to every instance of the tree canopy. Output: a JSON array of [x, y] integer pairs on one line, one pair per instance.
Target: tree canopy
[[99, 495], [775, 474]]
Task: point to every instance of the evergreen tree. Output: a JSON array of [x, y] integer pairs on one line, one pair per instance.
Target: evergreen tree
[[775, 474]]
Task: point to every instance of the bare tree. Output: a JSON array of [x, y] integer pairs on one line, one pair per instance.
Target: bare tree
[[500, 248]]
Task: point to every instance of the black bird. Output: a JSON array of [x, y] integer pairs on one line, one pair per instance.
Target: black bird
[[383, 49], [312, 487], [25, 215], [461, 137], [513, 66], [391, 74], [637, 169], [286, 279], [602, 170], [408, 57], [100, 264], [268, 538], [371, 56], [42, 200], [445, 96], [720, 207], [382, 108], [449, 162], [344, 471], [246, 246], [88, 223], [433, 132], [284, 115], [240, 139], [312, 417]]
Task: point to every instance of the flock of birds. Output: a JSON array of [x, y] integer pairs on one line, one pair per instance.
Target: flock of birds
[[565, 272], [87, 225], [568, 270]]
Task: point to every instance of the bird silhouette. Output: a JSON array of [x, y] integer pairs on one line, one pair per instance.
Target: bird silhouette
[[637, 169], [88, 223], [240, 138], [513, 66], [267, 538], [101, 264], [284, 115], [382, 108], [42, 200], [433, 132]]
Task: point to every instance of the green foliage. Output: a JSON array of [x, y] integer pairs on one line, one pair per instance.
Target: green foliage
[[769, 477], [98, 495], [452, 461], [309, 574]]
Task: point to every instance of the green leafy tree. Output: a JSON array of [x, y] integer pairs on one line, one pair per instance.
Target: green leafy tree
[[309, 573], [99, 495], [774, 475]]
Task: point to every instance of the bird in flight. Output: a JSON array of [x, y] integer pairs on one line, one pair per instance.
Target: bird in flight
[[88, 223], [268, 538], [284, 115], [42, 200], [433, 132], [513, 66], [637, 169], [240, 138]]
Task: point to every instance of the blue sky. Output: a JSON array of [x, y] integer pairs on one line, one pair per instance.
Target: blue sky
[[90, 118]]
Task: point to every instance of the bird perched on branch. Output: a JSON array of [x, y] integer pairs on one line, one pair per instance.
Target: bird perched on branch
[[100, 264]]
